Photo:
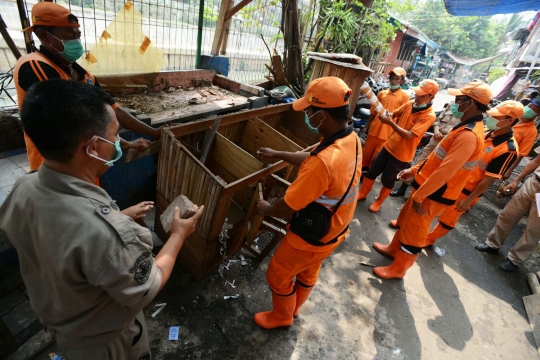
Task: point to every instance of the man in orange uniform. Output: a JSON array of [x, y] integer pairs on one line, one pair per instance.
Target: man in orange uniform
[[328, 180], [438, 180], [378, 133], [414, 119], [58, 31], [525, 133], [499, 152]]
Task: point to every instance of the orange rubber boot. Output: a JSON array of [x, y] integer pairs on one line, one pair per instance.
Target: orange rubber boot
[[390, 249], [437, 233], [365, 189], [302, 293], [281, 314], [376, 206], [393, 223], [402, 262]]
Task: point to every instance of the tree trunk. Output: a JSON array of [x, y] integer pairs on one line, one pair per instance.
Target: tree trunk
[[292, 57]]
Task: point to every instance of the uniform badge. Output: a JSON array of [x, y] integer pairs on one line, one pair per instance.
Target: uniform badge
[[141, 268], [488, 150]]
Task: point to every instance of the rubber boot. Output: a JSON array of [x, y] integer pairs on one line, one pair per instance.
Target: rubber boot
[[437, 233], [401, 191], [365, 189], [376, 206], [402, 262], [302, 293], [393, 223], [390, 249], [281, 314]]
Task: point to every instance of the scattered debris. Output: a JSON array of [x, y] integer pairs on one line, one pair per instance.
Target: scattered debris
[[226, 297], [171, 89], [232, 284], [54, 356], [350, 282], [196, 101], [174, 331], [439, 251], [366, 264], [244, 262], [161, 307]]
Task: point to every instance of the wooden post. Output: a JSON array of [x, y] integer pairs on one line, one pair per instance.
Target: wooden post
[[225, 39], [294, 72], [216, 44], [25, 24]]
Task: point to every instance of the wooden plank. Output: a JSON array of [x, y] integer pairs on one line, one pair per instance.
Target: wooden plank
[[202, 125], [255, 222], [219, 215], [259, 134], [532, 306], [234, 158], [296, 125], [237, 8], [208, 140], [293, 137], [225, 39], [218, 35], [154, 81]]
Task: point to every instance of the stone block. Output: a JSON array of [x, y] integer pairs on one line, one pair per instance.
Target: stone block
[[187, 210]]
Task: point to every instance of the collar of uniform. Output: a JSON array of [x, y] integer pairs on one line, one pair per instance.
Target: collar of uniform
[[78, 68], [471, 120], [498, 140], [70, 185]]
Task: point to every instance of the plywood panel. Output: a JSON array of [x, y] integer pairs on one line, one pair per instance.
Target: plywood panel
[[259, 134], [231, 157]]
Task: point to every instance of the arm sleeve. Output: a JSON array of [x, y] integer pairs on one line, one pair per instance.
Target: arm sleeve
[[463, 146], [311, 183], [498, 166], [399, 110], [420, 128], [131, 277], [29, 75], [526, 144]]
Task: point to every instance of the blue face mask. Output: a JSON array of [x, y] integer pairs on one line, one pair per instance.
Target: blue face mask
[[116, 144], [529, 113], [311, 128]]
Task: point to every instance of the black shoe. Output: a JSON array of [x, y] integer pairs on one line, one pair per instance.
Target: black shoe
[[508, 266], [483, 247], [400, 191]]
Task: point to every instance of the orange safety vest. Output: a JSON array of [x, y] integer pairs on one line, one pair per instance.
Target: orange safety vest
[[450, 191], [34, 157]]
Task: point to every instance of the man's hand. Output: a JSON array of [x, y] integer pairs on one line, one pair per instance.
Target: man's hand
[[464, 205], [267, 153], [262, 207], [405, 175], [140, 144], [184, 227], [510, 188], [417, 207], [139, 211], [437, 135], [364, 131], [386, 118]]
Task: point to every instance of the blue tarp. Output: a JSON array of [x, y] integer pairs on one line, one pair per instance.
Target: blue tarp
[[489, 7]]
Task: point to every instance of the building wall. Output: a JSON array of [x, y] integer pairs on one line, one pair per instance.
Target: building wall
[[394, 50]]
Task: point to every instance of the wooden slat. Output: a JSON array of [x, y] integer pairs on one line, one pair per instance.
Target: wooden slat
[[259, 134], [233, 158], [255, 220], [219, 215], [293, 137], [296, 125]]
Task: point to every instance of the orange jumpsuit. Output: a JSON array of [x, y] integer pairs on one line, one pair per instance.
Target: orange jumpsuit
[[439, 180], [379, 132], [323, 178], [498, 154]]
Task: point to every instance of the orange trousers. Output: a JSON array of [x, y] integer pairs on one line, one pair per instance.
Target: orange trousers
[[450, 215], [288, 263], [371, 148], [413, 228]]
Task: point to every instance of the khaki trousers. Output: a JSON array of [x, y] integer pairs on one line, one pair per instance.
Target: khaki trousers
[[130, 344], [523, 203]]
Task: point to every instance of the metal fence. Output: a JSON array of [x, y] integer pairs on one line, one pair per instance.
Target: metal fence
[[172, 27]]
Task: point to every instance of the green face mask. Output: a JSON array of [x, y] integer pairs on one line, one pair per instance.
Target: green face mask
[[529, 113], [311, 128], [491, 123], [118, 155], [73, 49], [394, 87]]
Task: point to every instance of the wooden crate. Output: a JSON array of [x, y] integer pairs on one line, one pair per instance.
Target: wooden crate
[[225, 182]]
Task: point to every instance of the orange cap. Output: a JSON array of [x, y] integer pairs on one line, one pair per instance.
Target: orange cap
[[476, 90], [326, 92], [399, 71], [511, 108], [51, 14], [426, 87]]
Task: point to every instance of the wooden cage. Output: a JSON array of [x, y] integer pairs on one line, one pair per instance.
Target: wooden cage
[[225, 181]]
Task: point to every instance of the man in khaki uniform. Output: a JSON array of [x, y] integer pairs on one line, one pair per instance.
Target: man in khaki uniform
[[523, 203], [442, 125], [88, 268]]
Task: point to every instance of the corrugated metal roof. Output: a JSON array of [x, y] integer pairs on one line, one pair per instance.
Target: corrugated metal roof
[[489, 7]]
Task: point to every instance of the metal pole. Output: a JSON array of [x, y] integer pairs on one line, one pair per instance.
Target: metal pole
[[199, 33]]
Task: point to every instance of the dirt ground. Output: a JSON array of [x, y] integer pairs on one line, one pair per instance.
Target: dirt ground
[[459, 306], [11, 136]]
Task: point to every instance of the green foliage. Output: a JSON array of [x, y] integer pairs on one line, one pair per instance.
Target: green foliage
[[494, 74], [209, 15], [339, 25], [472, 36]]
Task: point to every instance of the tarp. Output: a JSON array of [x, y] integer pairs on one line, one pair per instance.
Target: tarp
[[467, 61], [415, 32], [489, 7]]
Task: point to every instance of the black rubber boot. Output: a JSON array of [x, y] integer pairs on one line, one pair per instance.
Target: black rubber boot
[[401, 191]]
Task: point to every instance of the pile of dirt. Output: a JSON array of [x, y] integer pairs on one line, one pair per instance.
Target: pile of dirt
[[11, 135], [171, 99]]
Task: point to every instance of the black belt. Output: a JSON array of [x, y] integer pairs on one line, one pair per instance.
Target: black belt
[[537, 177]]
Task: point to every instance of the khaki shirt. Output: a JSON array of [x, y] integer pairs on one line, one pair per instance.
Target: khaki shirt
[[87, 267], [446, 121], [537, 171]]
